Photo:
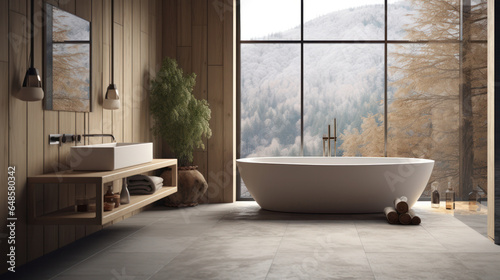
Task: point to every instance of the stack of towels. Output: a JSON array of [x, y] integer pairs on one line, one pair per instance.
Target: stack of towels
[[142, 184]]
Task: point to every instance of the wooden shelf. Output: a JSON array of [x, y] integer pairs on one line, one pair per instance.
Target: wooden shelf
[[68, 216], [91, 177]]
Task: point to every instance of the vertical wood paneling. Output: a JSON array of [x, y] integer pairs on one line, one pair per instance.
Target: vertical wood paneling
[[184, 59], [107, 115], [96, 116], [84, 9], [127, 90], [199, 67], [4, 30], [136, 71], [17, 126], [215, 180], [144, 131], [35, 144], [215, 37], [212, 35], [25, 126], [18, 6], [118, 11], [199, 61], [157, 63], [199, 12], [50, 192], [67, 125], [118, 69], [169, 34], [68, 5], [51, 164], [144, 8], [4, 143], [229, 90], [4, 112], [184, 23]]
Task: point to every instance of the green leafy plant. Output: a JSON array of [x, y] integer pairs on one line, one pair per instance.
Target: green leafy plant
[[179, 118]]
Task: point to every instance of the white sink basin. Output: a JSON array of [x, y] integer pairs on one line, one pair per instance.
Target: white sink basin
[[110, 156]]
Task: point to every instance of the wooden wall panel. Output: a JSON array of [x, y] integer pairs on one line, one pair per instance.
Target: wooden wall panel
[[229, 106], [95, 117], [4, 110], [199, 12], [136, 71], [215, 37], [215, 143], [68, 5], [169, 32], [144, 9], [35, 167], [50, 192], [144, 131], [18, 125], [184, 59], [211, 58], [18, 6], [118, 79], [4, 143], [184, 23], [127, 90], [118, 11], [4, 30], [199, 61], [199, 66], [107, 115], [25, 127], [84, 9], [35, 144], [67, 125]]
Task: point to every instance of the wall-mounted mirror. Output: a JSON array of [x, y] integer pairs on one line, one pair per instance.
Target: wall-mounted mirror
[[67, 63]]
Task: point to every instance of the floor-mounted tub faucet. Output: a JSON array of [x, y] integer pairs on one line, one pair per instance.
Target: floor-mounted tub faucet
[[328, 139]]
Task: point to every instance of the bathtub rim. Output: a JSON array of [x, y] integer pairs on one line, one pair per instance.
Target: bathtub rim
[[403, 161]]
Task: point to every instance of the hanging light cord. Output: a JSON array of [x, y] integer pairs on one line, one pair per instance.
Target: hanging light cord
[[32, 44], [112, 41]]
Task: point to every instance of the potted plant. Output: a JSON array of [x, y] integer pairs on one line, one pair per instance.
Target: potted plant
[[182, 121]]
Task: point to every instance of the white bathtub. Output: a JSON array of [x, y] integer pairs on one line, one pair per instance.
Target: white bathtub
[[335, 184]]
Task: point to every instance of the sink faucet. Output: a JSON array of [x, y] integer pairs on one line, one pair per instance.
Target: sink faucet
[[99, 135], [329, 138]]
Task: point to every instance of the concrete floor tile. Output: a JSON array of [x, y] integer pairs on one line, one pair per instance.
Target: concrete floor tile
[[410, 265], [324, 263], [113, 264]]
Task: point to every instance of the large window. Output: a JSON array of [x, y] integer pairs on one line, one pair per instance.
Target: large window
[[403, 79]]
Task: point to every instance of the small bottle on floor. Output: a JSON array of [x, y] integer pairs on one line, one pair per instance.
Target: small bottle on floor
[[435, 195], [450, 197]]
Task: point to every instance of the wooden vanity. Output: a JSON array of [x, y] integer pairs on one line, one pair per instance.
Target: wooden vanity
[[69, 216]]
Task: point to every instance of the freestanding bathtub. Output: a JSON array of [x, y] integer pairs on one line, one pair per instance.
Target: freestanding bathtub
[[333, 184]]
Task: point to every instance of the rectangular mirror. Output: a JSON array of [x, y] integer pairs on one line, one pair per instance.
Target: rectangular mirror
[[67, 63]]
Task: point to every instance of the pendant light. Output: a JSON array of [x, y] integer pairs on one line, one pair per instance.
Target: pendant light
[[112, 98], [32, 84]]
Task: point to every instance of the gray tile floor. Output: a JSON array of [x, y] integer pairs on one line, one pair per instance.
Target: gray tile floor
[[240, 241]]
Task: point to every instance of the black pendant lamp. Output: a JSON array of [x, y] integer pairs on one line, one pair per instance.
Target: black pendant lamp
[[112, 98], [32, 84]]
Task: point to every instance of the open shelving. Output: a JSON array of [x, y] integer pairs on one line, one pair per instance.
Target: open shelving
[[68, 215]]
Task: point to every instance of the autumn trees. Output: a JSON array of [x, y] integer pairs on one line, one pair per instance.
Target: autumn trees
[[437, 95]]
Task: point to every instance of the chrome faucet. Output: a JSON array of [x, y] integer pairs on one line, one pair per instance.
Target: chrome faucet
[[328, 139], [99, 135]]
